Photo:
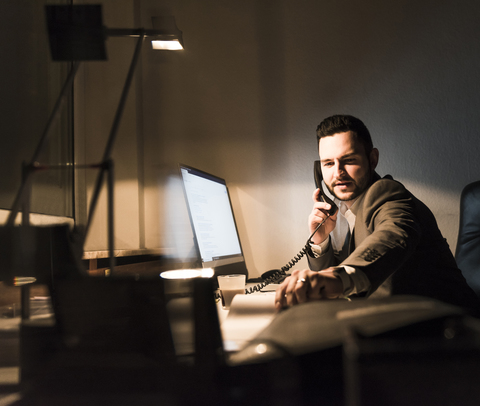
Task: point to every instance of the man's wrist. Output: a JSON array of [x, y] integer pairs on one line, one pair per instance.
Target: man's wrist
[[319, 249], [341, 273], [354, 280]]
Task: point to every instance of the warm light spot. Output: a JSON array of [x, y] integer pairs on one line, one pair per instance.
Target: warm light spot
[[261, 349], [23, 280], [173, 45], [188, 273]]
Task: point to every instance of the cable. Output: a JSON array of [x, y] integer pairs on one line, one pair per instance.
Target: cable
[[283, 270]]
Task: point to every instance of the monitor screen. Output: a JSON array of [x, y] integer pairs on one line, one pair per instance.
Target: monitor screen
[[212, 218]]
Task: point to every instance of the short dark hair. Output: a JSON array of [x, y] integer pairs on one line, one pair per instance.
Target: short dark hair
[[341, 123]]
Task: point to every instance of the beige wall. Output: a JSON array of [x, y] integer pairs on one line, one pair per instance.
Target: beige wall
[[243, 100]]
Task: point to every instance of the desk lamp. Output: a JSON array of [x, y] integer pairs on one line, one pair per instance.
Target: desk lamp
[[76, 33]]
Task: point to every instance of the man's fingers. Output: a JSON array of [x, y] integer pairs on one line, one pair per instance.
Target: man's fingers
[[292, 291], [320, 213], [280, 296], [319, 216], [290, 295], [301, 289], [305, 286]]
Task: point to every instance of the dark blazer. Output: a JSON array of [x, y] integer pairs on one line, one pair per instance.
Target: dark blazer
[[397, 244]]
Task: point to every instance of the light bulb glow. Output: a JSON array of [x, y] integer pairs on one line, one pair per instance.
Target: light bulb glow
[[173, 45], [188, 273]]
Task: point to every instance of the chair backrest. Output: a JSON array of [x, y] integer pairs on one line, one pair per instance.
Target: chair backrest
[[114, 316], [467, 253]]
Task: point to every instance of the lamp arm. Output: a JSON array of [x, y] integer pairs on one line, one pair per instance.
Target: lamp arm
[[23, 194], [139, 32], [113, 132]]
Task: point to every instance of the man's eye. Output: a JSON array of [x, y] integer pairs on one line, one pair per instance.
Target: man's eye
[[328, 164]]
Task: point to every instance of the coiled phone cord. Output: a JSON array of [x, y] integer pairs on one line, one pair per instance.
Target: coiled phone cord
[[283, 270]]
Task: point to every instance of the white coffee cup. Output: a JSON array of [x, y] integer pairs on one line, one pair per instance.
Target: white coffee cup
[[230, 285]]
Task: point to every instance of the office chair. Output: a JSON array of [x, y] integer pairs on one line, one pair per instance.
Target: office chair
[[467, 253]]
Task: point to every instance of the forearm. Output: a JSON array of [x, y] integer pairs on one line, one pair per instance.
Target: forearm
[[354, 280], [324, 257]]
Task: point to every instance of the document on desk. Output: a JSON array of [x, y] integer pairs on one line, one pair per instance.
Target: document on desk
[[248, 316]]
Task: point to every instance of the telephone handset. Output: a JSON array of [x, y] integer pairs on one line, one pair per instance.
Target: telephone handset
[[317, 173], [272, 276]]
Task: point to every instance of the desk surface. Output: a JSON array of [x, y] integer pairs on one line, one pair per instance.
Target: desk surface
[[124, 253]]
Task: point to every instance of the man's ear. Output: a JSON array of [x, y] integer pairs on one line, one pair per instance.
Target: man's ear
[[373, 158]]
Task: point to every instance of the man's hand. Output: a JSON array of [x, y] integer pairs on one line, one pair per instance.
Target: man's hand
[[318, 214], [306, 286]]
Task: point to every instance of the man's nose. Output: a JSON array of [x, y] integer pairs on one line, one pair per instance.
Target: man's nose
[[338, 170]]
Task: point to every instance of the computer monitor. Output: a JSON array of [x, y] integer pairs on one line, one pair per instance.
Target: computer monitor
[[213, 222]]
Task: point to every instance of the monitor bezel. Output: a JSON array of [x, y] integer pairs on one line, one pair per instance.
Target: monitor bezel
[[216, 263]]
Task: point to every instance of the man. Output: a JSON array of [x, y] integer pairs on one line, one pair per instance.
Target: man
[[382, 241]]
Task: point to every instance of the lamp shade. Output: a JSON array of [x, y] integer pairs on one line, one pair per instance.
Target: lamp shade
[[169, 36]]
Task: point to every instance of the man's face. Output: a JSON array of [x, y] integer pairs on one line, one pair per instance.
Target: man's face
[[346, 169]]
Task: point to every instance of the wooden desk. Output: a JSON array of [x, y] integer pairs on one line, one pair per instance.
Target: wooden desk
[[93, 256]]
